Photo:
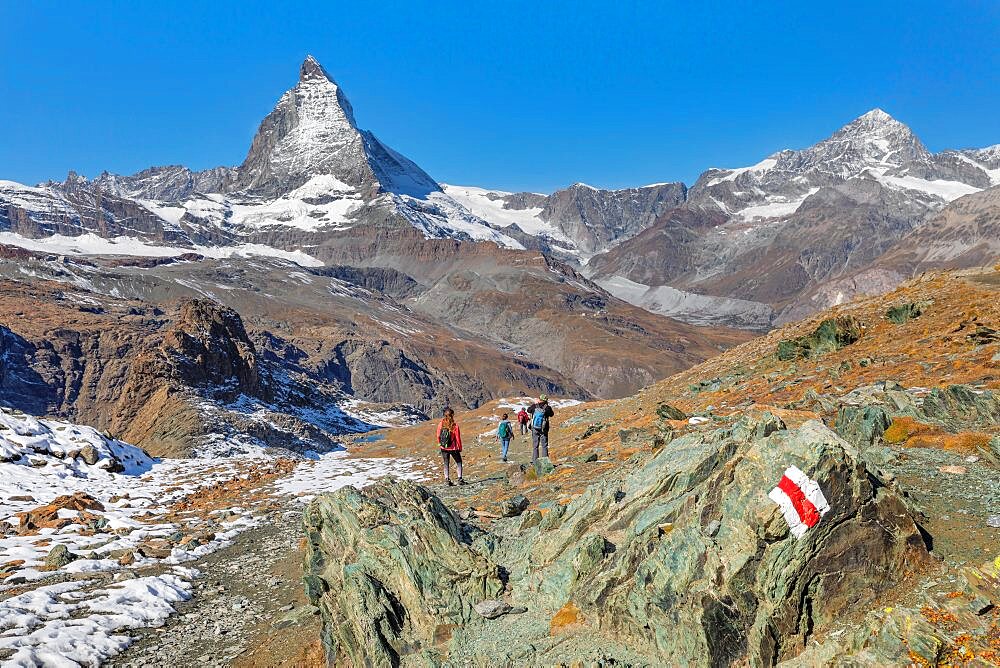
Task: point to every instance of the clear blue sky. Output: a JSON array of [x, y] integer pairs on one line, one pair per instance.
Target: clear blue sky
[[516, 95]]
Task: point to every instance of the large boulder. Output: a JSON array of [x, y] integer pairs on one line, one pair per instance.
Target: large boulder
[[390, 572], [726, 582], [684, 560]]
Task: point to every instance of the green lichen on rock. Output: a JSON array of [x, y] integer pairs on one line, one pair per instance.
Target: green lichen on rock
[[862, 425], [681, 559], [668, 412], [901, 313], [386, 567], [832, 334]]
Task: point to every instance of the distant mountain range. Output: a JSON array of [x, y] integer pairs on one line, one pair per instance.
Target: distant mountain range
[[746, 247], [315, 288]]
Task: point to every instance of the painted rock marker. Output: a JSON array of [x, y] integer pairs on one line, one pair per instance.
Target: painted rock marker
[[800, 499]]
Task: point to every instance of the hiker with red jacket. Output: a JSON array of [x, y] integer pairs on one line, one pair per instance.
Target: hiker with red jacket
[[449, 439], [522, 419], [540, 412]]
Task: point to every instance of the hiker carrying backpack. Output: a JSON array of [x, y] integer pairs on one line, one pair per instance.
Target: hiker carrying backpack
[[522, 420], [540, 413], [449, 439], [505, 432]]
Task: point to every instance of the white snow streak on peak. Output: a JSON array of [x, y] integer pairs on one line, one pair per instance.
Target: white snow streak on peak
[[479, 202], [946, 190], [762, 166]]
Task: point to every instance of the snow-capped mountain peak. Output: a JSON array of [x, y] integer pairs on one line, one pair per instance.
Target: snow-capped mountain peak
[[873, 147], [874, 120], [874, 139], [311, 69], [310, 132]]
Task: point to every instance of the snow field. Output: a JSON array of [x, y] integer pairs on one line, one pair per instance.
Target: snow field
[[84, 621]]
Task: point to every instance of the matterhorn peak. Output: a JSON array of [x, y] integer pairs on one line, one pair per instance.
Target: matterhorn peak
[[876, 115], [311, 69], [312, 133]]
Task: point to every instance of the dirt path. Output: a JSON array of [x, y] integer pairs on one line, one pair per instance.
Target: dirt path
[[248, 607]]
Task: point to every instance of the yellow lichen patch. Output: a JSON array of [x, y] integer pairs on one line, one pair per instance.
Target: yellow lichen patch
[[568, 616], [902, 428], [965, 442]]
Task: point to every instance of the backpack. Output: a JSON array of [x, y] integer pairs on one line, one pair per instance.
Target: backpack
[[538, 417], [505, 430], [444, 439]]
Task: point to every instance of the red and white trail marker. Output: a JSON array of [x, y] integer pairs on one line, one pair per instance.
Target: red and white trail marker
[[800, 499]]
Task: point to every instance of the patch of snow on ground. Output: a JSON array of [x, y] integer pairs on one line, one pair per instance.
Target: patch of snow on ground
[[331, 471], [82, 622], [72, 624]]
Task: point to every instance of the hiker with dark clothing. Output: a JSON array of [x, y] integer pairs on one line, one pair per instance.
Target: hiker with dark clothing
[[450, 442], [522, 419], [505, 432], [541, 413]]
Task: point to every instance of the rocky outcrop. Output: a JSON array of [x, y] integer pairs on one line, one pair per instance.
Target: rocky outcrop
[[380, 280], [391, 572], [171, 183], [681, 560], [866, 415], [210, 349], [963, 627], [832, 334]]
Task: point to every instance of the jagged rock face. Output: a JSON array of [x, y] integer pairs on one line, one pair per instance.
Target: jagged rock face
[[388, 598], [129, 371], [684, 560], [312, 132], [73, 208], [580, 219], [383, 280], [385, 373], [966, 233], [596, 219], [212, 350], [171, 183]]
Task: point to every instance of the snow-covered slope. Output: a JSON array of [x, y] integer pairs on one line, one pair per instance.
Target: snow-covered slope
[[874, 147], [91, 541], [494, 206]]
